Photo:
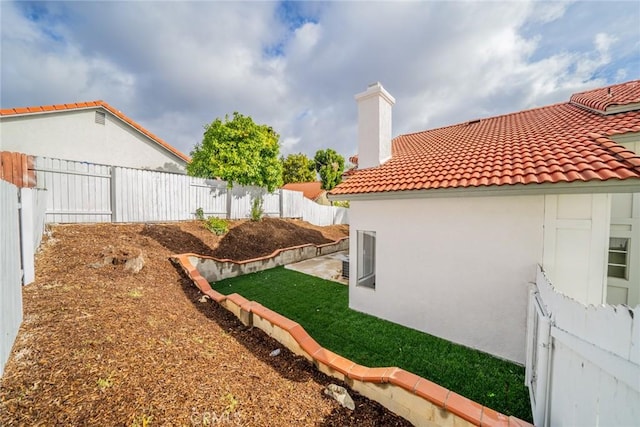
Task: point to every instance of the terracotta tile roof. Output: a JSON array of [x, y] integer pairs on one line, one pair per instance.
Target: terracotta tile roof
[[606, 99], [553, 144], [93, 104], [311, 190]]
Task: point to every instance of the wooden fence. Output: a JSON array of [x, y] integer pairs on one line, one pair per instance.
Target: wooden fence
[[85, 192], [583, 363], [17, 168]]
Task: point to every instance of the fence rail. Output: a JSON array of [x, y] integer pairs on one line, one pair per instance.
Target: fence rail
[[85, 192]]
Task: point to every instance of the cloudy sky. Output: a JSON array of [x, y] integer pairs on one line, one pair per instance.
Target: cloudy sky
[[175, 66]]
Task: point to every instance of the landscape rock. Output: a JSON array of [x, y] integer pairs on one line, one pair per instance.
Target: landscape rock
[[340, 394]]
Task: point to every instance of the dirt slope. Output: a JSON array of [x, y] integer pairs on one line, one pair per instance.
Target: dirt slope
[[103, 345]]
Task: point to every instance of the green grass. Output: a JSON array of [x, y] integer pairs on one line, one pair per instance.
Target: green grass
[[321, 307]]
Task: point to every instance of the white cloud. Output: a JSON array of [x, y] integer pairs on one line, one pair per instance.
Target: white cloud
[[175, 66], [38, 67], [304, 39]]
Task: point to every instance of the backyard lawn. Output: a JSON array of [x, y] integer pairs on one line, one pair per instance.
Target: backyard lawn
[[321, 307]]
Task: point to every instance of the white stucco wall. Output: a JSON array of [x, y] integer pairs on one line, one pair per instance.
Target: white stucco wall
[[74, 135], [457, 268]]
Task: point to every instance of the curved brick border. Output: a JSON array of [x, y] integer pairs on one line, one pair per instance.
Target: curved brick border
[[410, 396]]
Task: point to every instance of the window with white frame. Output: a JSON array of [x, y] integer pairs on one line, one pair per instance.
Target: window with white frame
[[366, 258], [618, 258]]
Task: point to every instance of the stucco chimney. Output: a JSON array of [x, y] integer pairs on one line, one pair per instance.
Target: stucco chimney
[[374, 126]]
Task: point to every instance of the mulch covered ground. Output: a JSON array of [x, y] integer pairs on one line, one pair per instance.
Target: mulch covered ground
[[114, 334]]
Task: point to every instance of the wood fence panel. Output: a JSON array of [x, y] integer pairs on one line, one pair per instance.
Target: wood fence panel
[[17, 168]]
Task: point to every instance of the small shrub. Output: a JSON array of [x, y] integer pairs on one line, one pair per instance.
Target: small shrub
[[341, 203], [215, 225], [256, 209], [199, 214]]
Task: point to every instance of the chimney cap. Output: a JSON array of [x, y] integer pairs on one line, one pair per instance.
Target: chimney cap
[[376, 89]]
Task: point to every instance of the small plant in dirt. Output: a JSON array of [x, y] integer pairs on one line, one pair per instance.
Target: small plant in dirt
[[215, 225], [200, 214], [256, 209], [135, 293], [143, 421], [231, 403], [105, 383]]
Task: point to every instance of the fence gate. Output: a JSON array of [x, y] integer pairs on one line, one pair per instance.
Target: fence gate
[[537, 365]]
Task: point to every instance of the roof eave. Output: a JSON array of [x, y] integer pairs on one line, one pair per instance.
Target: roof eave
[[630, 185], [101, 105]]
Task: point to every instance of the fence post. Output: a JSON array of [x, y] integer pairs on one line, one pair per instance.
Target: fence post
[[27, 250], [281, 202], [112, 198], [229, 201]]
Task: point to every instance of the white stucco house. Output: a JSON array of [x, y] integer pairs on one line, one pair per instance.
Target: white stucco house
[[92, 132], [449, 225]]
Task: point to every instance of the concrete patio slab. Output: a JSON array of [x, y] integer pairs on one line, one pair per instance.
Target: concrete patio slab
[[328, 267]]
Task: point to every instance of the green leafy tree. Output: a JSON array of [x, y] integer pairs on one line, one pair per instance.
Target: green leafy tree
[[238, 151], [330, 166], [298, 168]]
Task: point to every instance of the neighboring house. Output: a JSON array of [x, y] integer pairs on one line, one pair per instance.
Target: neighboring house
[[92, 132], [448, 225], [311, 190]]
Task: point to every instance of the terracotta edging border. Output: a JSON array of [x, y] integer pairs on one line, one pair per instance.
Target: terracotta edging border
[[306, 346]]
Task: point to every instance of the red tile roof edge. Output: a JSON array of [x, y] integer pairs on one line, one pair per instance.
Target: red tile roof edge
[[454, 403], [89, 105], [311, 190]]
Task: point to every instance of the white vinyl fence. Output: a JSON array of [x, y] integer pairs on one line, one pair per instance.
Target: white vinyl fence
[[583, 363], [85, 192], [21, 227], [11, 270]]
